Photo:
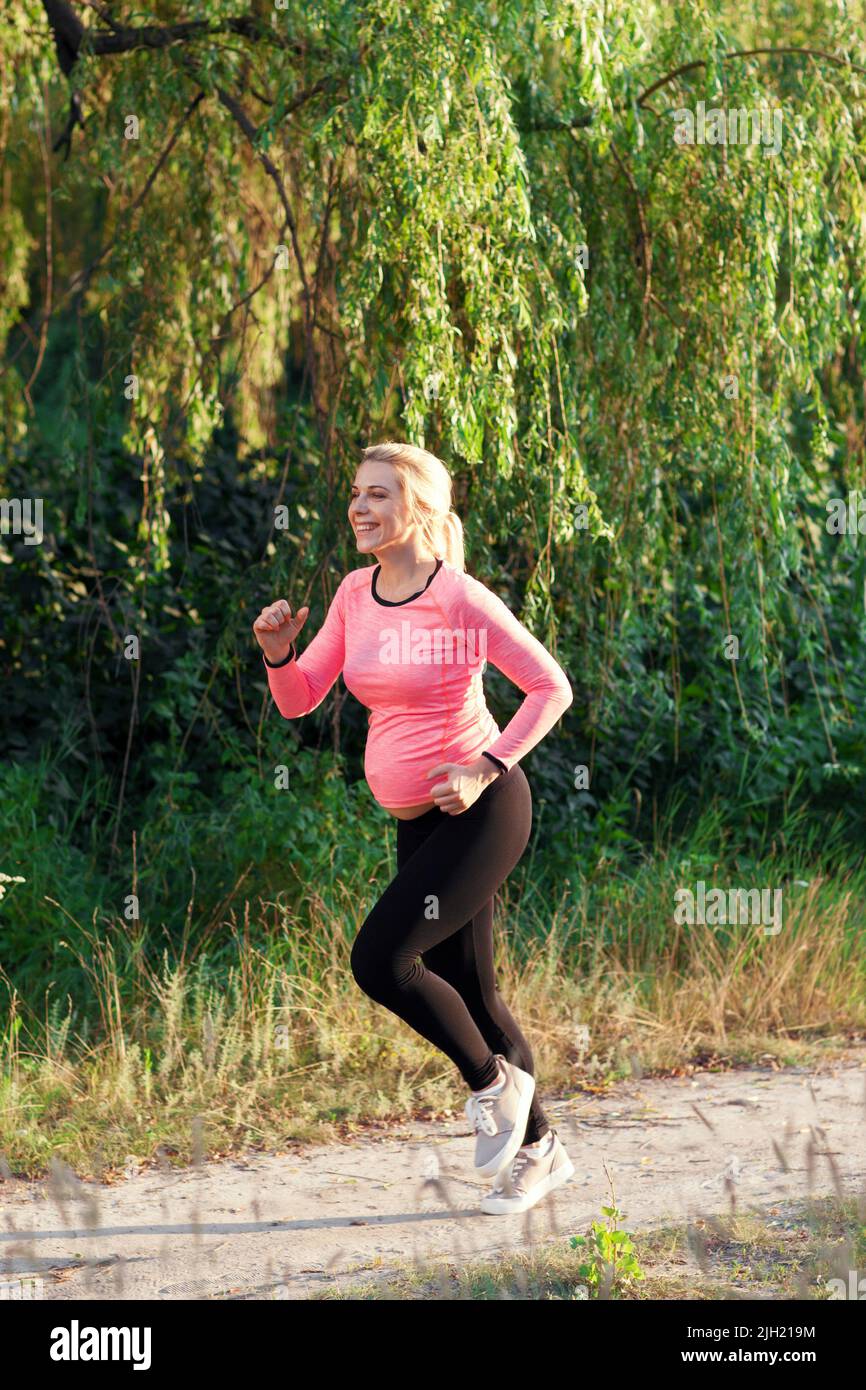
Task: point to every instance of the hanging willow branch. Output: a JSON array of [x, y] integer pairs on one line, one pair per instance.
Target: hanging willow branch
[[639, 456]]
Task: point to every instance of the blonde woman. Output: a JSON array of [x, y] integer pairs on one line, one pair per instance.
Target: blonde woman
[[412, 635]]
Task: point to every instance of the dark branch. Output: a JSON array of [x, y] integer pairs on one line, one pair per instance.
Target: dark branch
[[70, 34], [71, 37], [747, 53], [74, 118], [575, 123]]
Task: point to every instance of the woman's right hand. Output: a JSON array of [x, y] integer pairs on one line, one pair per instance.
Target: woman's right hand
[[275, 629]]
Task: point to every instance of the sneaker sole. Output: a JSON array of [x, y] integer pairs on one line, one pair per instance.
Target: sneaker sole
[[495, 1165], [504, 1206]]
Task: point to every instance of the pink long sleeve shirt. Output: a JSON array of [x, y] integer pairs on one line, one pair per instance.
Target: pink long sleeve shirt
[[417, 665]]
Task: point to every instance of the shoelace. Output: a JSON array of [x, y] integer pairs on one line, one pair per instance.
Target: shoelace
[[479, 1112], [516, 1170]]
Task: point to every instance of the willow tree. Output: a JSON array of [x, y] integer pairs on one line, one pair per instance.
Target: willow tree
[[504, 231]]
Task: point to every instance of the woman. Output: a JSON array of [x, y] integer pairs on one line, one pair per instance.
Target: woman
[[410, 636]]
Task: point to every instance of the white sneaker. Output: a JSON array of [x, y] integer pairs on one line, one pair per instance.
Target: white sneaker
[[531, 1175], [500, 1119]]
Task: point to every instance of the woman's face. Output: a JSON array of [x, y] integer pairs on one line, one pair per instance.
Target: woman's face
[[377, 512]]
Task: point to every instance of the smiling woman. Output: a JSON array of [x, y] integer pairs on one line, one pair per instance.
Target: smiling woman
[[428, 712], [399, 514], [420, 675], [234, 246]]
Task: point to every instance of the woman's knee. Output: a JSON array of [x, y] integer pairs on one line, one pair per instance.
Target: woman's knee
[[379, 970], [364, 963]]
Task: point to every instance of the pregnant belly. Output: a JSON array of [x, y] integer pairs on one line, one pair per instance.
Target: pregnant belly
[[402, 750], [410, 812]]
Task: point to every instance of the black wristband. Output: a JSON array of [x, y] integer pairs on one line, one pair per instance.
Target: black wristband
[[494, 759], [275, 665]]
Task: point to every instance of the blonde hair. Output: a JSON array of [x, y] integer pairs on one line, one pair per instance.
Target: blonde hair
[[426, 485]]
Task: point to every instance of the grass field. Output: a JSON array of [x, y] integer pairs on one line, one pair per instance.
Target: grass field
[[261, 1034]]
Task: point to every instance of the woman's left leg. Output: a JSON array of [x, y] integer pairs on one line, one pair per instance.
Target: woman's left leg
[[465, 960], [444, 883]]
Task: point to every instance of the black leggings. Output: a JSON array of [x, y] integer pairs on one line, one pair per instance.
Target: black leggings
[[440, 906]]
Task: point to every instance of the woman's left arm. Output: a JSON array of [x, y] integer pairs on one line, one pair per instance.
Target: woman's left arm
[[514, 651]]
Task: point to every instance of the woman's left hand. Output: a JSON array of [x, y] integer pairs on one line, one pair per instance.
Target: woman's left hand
[[464, 784]]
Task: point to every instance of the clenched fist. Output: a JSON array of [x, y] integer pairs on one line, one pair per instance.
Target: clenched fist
[[275, 629]]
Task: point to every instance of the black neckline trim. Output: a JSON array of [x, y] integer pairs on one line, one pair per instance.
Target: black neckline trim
[[398, 602]]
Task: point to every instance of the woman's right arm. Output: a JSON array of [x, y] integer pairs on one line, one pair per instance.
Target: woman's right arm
[[300, 683]]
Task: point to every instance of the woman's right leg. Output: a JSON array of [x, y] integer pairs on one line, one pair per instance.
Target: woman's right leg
[[465, 960]]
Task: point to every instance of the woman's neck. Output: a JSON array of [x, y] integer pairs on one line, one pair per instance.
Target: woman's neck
[[401, 575]]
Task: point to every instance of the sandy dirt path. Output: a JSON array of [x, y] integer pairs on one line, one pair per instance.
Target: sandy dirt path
[[281, 1226]]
